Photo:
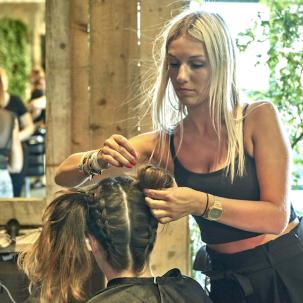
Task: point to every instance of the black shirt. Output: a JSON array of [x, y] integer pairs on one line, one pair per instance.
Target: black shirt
[[218, 183], [170, 288], [16, 106]]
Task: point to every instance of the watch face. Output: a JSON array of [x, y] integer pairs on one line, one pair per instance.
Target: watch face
[[215, 213]]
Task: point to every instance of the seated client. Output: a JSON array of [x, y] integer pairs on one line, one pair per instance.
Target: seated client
[[121, 231]]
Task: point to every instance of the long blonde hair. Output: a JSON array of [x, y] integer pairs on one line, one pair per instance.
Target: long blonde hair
[[224, 102], [3, 86]]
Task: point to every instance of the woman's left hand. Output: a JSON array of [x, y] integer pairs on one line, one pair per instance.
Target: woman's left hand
[[173, 203]]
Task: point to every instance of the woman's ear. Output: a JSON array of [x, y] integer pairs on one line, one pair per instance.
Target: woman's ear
[[94, 245], [98, 253]]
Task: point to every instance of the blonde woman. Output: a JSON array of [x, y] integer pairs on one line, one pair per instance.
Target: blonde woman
[[230, 160]]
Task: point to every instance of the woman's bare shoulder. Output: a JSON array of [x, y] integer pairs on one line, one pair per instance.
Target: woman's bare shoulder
[[260, 114], [145, 143], [153, 146], [260, 118], [260, 108], [144, 139]]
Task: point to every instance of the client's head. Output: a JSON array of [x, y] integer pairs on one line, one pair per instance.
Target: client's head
[[119, 224]]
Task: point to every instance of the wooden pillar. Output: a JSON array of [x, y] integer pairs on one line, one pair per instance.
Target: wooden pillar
[[80, 71], [113, 60], [58, 88]]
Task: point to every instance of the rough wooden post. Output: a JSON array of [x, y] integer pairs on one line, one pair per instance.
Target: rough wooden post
[[67, 66], [113, 60], [80, 69], [58, 88]]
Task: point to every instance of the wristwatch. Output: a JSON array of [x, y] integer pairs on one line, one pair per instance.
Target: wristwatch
[[215, 211]]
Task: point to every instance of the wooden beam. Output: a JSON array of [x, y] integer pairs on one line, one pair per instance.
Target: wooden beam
[[58, 88], [80, 69], [113, 59]]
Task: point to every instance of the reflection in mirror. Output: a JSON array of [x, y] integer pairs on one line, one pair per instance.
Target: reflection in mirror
[[22, 87]]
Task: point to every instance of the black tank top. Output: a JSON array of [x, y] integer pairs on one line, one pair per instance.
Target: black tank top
[[219, 184]]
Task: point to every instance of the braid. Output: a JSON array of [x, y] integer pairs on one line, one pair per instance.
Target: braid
[[108, 222], [144, 225], [143, 231], [122, 222]]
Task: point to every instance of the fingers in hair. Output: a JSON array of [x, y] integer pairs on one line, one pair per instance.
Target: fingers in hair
[[159, 194], [126, 144], [119, 152], [156, 204]]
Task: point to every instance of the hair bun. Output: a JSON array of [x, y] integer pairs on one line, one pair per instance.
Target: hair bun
[[154, 177]]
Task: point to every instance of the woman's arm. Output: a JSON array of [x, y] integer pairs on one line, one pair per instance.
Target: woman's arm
[[271, 151], [16, 156], [37, 103], [116, 151], [27, 125]]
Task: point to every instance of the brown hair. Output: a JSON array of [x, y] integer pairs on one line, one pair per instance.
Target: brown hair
[[114, 212]]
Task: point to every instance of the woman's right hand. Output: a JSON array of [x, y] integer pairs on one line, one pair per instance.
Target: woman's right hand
[[117, 151]]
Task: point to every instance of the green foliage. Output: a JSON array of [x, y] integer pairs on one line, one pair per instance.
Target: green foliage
[[14, 54], [283, 31]]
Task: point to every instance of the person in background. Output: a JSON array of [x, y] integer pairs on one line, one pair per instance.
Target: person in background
[[37, 108], [15, 105], [121, 231], [10, 151], [231, 161], [37, 101]]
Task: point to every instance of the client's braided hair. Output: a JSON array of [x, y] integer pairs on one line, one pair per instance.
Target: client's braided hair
[[114, 212]]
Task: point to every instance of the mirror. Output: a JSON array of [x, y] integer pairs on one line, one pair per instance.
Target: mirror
[[27, 18]]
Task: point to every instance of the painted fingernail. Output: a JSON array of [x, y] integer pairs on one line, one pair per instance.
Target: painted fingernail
[[135, 154]]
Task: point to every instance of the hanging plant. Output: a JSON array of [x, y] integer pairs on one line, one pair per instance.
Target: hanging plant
[[14, 54]]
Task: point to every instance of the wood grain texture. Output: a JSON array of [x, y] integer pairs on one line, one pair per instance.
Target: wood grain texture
[[113, 59]]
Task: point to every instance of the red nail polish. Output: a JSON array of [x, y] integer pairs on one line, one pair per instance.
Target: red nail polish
[[135, 154]]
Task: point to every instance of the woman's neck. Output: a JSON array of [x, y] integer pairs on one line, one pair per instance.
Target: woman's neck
[[111, 274]]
